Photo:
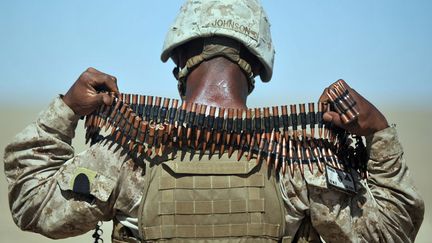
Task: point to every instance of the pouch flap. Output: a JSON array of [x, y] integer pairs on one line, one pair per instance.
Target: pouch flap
[[211, 168]]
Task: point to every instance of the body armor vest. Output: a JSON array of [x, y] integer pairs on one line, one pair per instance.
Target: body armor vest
[[217, 200]]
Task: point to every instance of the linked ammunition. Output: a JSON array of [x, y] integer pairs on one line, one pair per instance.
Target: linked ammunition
[[285, 121], [134, 104], [320, 119], [200, 124], [181, 120], [275, 119], [312, 119], [257, 122], [260, 149], [148, 108], [267, 127], [190, 123], [139, 122], [303, 121], [251, 148], [210, 126], [141, 105], [270, 146], [248, 125], [300, 156], [293, 116], [278, 152], [284, 155], [291, 154], [172, 116]]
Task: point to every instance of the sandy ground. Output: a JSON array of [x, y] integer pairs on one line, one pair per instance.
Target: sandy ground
[[412, 126]]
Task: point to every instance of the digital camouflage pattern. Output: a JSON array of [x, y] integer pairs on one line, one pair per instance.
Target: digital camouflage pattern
[[40, 166], [241, 20]]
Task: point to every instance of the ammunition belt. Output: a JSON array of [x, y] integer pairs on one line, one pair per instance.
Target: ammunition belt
[[147, 125]]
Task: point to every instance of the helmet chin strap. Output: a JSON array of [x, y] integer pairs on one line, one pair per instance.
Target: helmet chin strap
[[215, 47]]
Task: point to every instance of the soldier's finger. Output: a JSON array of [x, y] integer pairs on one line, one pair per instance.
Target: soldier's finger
[[324, 97], [104, 98], [333, 118], [93, 70], [105, 82], [352, 91]]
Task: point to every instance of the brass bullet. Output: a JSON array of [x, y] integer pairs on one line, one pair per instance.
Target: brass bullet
[[181, 120], [333, 158], [284, 155], [134, 133], [308, 155], [240, 150], [118, 117], [172, 116], [251, 148], [312, 119], [337, 106], [257, 122], [260, 148], [148, 108], [248, 125], [285, 121], [320, 119], [159, 145], [300, 156], [219, 124], [200, 124], [275, 118], [316, 154], [141, 136], [267, 127], [291, 154], [270, 147], [294, 122], [210, 124], [134, 104], [303, 122], [141, 105], [238, 120], [230, 125], [156, 109], [278, 152], [128, 126], [126, 98], [105, 114], [150, 139], [190, 123]]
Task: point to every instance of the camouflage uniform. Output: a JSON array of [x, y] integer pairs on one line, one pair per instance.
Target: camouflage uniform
[[40, 165]]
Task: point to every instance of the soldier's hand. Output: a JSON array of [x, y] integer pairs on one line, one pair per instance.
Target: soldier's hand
[[83, 97], [369, 121]]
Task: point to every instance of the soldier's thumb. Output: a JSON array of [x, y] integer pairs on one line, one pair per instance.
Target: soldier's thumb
[[104, 98]]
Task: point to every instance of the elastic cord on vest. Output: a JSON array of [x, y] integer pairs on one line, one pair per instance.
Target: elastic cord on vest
[[215, 47]]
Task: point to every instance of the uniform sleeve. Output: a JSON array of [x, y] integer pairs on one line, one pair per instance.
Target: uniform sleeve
[[42, 172], [387, 207]]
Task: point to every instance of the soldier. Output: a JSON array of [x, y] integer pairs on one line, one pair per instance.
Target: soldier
[[218, 47]]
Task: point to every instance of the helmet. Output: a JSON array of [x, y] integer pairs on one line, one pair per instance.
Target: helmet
[[241, 20]]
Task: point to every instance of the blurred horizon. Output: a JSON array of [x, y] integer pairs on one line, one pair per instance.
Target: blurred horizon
[[381, 48]]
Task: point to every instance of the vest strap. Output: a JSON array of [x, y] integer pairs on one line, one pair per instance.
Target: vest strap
[[211, 231], [210, 182], [211, 207]]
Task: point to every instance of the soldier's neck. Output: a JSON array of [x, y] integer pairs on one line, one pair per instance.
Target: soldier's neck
[[217, 82]]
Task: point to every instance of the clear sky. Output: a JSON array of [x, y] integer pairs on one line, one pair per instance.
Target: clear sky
[[382, 48]]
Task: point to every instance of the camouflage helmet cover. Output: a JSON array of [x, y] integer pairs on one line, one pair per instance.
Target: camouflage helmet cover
[[242, 20]]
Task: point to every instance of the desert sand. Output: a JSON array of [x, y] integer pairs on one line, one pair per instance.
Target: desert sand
[[413, 128]]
